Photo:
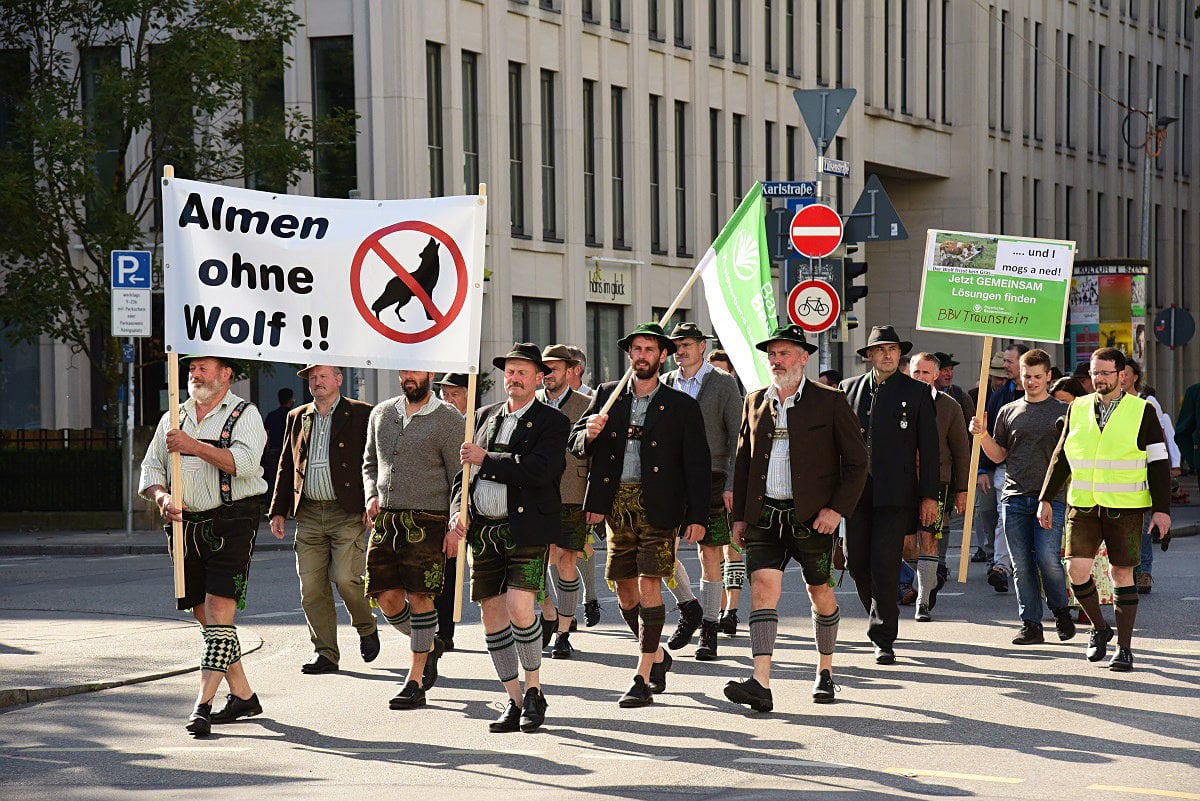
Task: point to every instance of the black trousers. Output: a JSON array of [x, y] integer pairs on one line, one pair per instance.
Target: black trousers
[[444, 602], [874, 544]]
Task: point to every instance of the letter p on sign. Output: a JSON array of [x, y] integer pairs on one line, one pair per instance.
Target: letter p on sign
[[131, 269]]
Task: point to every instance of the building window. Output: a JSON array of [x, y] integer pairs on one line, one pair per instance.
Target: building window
[[605, 325], [1037, 84], [769, 36], [589, 162], [262, 104], [736, 28], [433, 118], [790, 32], [769, 141], [20, 364], [839, 50], [470, 90], [680, 14], [656, 239], [887, 55], [1004, 68], [618, 167], [789, 146], [616, 15], [516, 150], [1069, 94], [902, 30], [714, 28], [534, 321], [819, 43], [1037, 206], [589, 11], [739, 157], [549, 159], [714, 170], [681, 191], [945, 47], [336, 173], [654, 13]]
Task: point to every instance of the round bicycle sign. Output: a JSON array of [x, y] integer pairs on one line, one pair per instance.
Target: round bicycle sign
[[814, 306]]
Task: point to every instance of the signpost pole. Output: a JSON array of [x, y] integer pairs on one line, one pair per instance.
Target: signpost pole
[[964, 558], [129, 412]]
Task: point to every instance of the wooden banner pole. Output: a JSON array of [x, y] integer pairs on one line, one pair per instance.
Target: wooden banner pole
[[964, 558], [175, 459]]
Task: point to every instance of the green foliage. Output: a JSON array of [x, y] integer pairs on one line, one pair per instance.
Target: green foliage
[[96, 97]]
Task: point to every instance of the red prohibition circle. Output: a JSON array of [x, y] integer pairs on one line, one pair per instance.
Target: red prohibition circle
[[373, 244], [831, 297]]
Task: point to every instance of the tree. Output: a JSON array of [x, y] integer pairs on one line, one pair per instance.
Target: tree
[[99, 95]]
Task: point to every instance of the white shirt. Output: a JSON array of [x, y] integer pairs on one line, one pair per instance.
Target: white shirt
[[779, 469]]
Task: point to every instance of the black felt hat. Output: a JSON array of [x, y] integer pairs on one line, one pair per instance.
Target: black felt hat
[[945, 359], [453, 380], [688, 331], [885, 335], [788, 333], [523, 350], [647, 330]]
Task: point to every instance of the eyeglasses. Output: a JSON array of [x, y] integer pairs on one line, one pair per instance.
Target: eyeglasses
[[1102, 373]]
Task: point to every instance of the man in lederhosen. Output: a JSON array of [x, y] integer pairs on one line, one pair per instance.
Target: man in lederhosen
[[410, 461], [801, 465], [650, 475], [220, 439], [519, 450]]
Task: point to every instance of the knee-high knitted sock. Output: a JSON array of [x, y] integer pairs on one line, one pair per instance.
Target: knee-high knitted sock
[[653, 619], [423, 624], [503, 651], [631, 618], [1089, 601], [529, 645], [683, 585], [1125, 606], [401, 621], [733, 574], [764, 624], [825, 629], [926, 577], [710, 599], [586, 565]]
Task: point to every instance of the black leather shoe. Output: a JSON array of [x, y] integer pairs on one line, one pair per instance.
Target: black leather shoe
[[690, 616], [922, 614], [980, 555], [319, 664], [533, 712], [549, 629], [1122, 661], [447, 643], [658, 674], [369, 646], [1030, 634], [237, 708], [562, 646], [574, 627], [509, 720], [1098, 643], [430, 675], [707, 650], [591, 613], [410, 696], [750, 693], [998, 579], [823, 688], [199, 723], [637, 695], [1064, 624], [884, 656]]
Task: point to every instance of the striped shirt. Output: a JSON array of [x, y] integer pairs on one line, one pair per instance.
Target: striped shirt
[[631, 468], [779, 469], [318, 482], [201, 489]]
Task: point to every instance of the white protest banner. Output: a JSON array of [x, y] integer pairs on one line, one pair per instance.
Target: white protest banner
[[394, 284]]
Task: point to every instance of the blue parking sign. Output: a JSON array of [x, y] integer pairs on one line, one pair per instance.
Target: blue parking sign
[[131, 269]]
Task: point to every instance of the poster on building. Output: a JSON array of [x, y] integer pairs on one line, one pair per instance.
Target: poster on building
[[1108, 307], [394, 284], [1000, 286]]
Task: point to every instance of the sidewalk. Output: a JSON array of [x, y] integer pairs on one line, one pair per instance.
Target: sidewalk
[[81, 651]]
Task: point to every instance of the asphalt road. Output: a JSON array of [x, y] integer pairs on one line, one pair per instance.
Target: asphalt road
[[962, 714]]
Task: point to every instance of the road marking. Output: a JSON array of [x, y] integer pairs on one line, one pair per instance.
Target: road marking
[[1144, 791], [942, 774], [262, 615], [1191, 598], [799, 763], [35, 759], [205, 749], [631, 757], [1181, 651], [491, 751], [392, 750]]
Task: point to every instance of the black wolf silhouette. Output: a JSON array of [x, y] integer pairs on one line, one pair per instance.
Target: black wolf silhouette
[[397, 293]]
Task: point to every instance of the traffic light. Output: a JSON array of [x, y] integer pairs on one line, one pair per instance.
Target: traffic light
[[850, 270]]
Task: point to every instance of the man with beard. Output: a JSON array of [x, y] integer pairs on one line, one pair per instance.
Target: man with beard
[[319, 481], [897, 418], [1115, 455], [650, 475], [801, 465], [221, 439], [574, 533], [520, 450], [720, 404], [409, 465]]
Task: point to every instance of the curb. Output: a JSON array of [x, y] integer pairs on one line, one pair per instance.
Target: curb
[[17, 697]]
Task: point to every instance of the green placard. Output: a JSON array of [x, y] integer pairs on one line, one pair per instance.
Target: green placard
[[999, 286]]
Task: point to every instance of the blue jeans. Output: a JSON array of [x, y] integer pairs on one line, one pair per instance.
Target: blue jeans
[[1035, 551]]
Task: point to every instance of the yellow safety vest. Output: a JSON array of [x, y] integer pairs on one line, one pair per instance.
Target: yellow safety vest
[[1107, 467]]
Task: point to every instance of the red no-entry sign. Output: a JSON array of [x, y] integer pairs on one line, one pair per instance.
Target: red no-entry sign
[[816, 231]]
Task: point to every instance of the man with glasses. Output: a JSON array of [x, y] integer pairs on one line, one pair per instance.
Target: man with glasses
[[1113, 451]]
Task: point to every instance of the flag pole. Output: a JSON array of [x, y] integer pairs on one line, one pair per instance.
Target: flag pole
[[175, 458], [464, 513], [964, 558]]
